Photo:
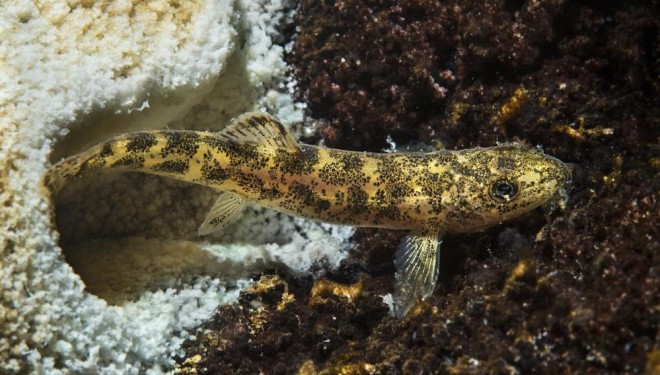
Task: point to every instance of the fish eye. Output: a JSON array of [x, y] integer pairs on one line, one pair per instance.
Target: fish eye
[[504, 191]]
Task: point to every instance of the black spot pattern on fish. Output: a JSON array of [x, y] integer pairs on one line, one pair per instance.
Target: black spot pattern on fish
[[398, 192], [141, 142], [343, 168], [506, 163], [246, 155], [433, 185], [248, 182], [214, 173], [239, 155], [179, 167], [86, 165], [180, 144], [392, 170], [388, 213], [106, 150], [129, 161], [357, 200], [299, 162], [323, 205], [302, 193], [272, 193]]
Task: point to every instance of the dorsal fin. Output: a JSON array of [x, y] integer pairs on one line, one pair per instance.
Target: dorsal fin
[[260, 129]]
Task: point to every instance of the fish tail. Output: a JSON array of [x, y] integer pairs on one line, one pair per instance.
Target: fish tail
[[126, 152], [69, 169]]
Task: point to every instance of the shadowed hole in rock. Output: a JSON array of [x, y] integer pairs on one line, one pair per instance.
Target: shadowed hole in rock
[[128, 233]]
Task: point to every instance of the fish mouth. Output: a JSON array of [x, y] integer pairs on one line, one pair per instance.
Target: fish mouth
[[557, 201], [565, 170], [559, 181], [565, 183], [570, 169]]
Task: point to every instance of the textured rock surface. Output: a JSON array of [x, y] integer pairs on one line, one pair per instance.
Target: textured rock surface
[[122, 281], [61, 62], [575, 294]]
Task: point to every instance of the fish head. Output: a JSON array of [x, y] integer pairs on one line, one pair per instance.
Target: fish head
[[500, 183]]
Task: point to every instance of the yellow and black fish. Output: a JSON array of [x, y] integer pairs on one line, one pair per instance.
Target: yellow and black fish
[[255, 159]]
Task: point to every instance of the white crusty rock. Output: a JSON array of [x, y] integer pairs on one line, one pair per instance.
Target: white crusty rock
[[122, 279]]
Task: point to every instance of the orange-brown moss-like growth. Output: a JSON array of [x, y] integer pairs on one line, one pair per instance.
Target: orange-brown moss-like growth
[[590, 304]]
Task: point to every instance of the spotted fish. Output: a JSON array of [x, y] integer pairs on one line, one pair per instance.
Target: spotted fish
[[255, 159]]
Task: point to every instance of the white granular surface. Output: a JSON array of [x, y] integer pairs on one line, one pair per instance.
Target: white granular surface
[[125, 279]]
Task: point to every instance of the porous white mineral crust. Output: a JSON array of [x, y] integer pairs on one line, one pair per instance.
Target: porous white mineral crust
[[125, 279]]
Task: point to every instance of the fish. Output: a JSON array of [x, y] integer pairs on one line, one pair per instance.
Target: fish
[[255, 159]]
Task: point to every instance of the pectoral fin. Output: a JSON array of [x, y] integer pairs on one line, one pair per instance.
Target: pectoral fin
[[417, 262], [224, 211]]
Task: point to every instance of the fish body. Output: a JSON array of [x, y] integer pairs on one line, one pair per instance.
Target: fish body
[[256, 160]]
